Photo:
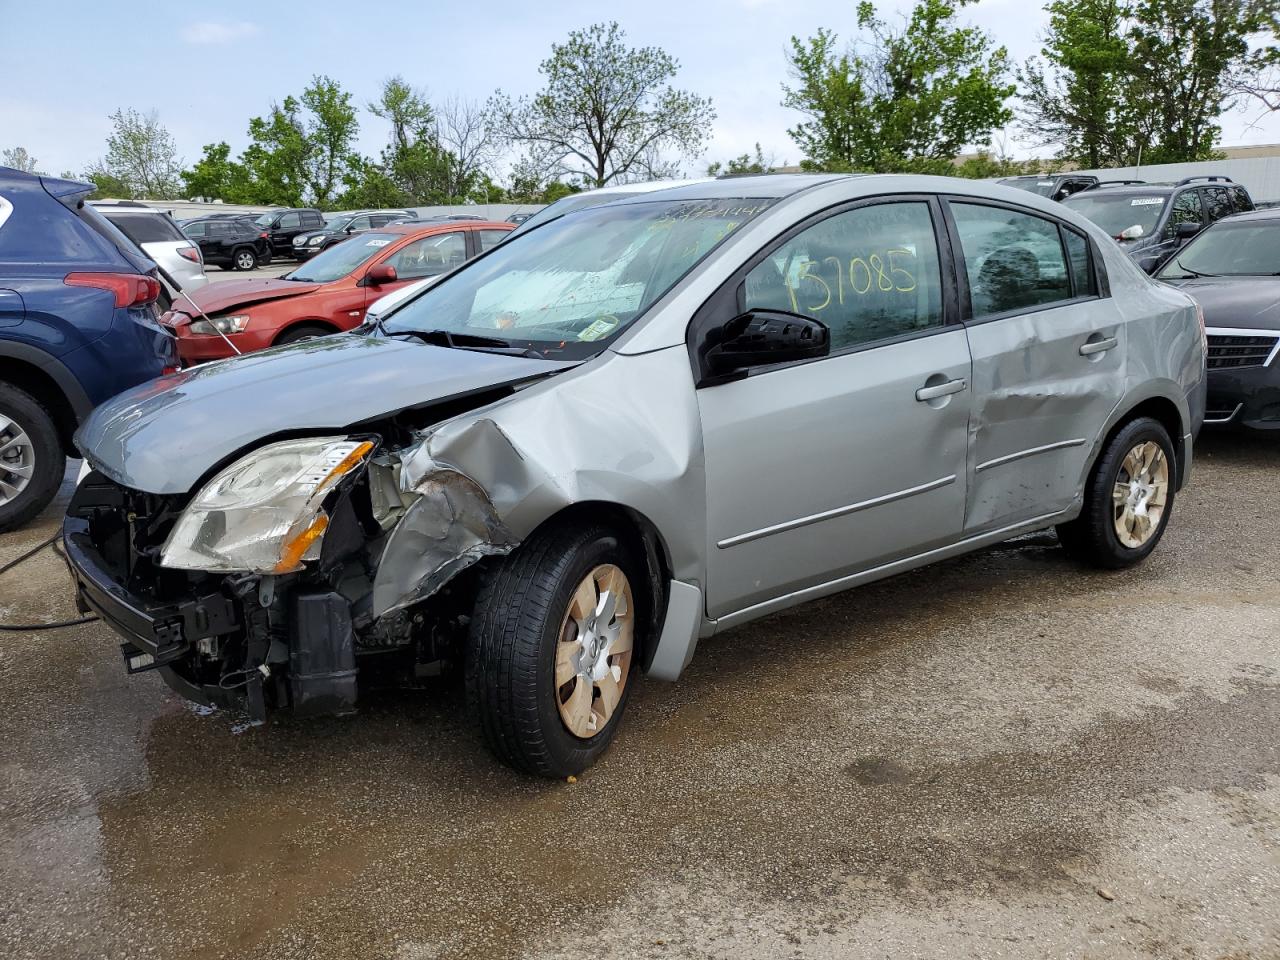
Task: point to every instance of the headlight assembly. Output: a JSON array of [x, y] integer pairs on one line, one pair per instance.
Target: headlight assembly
[[265, 512], [315, 241], [217, 325]]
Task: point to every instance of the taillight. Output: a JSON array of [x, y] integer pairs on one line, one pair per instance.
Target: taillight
[[264, 235], [130, 289], [190, 253]]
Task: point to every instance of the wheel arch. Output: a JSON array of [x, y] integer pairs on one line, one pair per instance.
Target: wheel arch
[[50, 383], [292, 325], [644, 537], [1164, 410]]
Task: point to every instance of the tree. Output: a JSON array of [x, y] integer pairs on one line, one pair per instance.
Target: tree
[[606, 110], [905, 99], [414, 168], [745, 163], [301, 152], [465, 130], [1149, 75], [1083, 106], [215, 176], [19, 159], [142, 159]]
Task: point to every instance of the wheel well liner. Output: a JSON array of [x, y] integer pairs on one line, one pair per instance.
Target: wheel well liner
[[1165, 412], [46, 390], [642, 535], [305, 322]]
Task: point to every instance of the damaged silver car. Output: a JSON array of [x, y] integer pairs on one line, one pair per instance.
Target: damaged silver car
[[629, 429]]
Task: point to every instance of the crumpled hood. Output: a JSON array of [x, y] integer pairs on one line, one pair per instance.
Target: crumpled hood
[[1249, 302], [217, 297], [162, 437]]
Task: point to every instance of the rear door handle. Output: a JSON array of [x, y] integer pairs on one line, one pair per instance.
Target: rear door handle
[[1097, 346], [941, 390]]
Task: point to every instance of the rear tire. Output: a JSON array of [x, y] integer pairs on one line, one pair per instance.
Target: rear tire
[[32, 460], [246, 258], [308, 331], [550, 661], [1128, 498]]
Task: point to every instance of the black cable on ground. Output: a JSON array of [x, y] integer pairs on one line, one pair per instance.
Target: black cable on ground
[[28, 627]]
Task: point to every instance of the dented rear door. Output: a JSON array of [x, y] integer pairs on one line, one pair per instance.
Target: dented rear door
[[1048, 361]]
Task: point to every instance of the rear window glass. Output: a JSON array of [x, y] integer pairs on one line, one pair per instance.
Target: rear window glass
[[145, 227], [44, 230]]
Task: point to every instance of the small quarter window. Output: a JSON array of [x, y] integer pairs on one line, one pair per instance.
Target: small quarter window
[[869, 274], [1083, 284], [1241, 198], [1014, 260]]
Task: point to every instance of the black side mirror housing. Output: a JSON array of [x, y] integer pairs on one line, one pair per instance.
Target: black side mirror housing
[[759, 338], [1185, 231]]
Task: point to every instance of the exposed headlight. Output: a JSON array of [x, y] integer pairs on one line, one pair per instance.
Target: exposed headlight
[[315, 241], [216, 325], [299, 240], [265, 512]]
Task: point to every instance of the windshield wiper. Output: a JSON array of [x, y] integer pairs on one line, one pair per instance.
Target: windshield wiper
[[1190, 272], [471, 341]]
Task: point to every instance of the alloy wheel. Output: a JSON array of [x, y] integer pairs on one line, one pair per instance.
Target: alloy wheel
[[1140, 493], [246, 261], [593, 655], [17, 459]]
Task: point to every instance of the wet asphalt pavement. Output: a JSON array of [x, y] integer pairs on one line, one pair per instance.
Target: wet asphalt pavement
[[1001, 756]]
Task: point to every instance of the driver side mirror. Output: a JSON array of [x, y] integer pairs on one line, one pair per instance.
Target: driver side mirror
[[1185, 231], [381, 273], [759, 338]]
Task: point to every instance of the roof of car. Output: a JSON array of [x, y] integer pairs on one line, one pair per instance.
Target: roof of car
[[1263, 213], [1123, 190], [441, 226], [770, 185]]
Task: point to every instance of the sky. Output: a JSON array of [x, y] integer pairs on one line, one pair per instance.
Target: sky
[[207, 68]]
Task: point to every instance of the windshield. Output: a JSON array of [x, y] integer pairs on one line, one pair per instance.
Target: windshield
[[1116, 214], [341, 259], [336, 225], [578, 282], [265, 219], [1229, 250], [1032, 184]]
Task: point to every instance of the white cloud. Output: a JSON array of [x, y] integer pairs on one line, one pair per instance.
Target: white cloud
[[209, 31]]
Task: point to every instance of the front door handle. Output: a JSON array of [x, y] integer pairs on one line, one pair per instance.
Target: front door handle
[[925, 394], [1097, 346]]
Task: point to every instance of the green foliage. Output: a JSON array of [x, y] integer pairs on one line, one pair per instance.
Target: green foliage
[[985, 166], [19, 159], [215, 176], [607, 112], [898, 100], [1150, 75], [745, 163], [301, 152], [109, 186], [141, 160]]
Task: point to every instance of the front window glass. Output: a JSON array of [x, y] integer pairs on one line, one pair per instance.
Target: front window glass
[[868, 274], [1014, 260], [1118, 213], [343, 258], [194, 229], [430, 256], [1185, 209], [289, 221], [578, 281], [1250, 248]]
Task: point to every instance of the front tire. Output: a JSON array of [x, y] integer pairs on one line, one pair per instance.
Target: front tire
[[550, 660], [1128, 498], [31, 457]]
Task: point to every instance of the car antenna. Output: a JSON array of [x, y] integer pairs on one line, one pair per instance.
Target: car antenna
[[182, 293]]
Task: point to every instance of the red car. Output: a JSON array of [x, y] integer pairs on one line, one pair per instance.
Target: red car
[[327, 294]]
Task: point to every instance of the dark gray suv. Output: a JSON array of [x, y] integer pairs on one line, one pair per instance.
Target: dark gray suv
[[1152, 220]]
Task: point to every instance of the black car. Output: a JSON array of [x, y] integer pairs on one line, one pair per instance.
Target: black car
[[232, 243], [308, 244], [1055, 186], [283, 225], [1152, 220], [1233, 271]]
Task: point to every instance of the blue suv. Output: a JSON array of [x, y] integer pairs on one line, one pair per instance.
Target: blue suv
[[78, 324]]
